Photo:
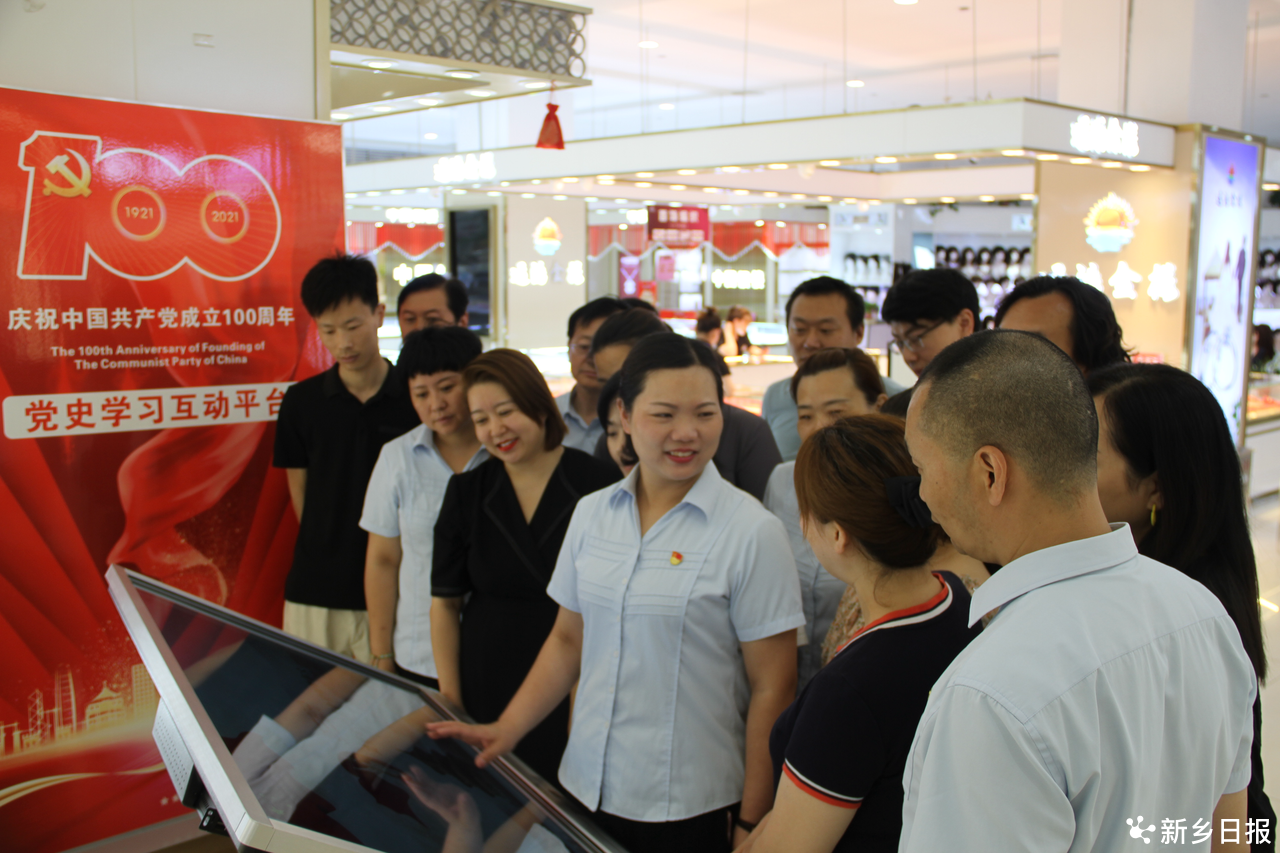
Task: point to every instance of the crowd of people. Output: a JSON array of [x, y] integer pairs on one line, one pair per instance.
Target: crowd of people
[[1014, 607]]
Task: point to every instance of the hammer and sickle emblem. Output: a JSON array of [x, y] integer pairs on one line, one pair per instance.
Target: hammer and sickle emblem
[[77, 184]]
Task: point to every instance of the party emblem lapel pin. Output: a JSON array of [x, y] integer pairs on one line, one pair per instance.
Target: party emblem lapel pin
[[676, 558]]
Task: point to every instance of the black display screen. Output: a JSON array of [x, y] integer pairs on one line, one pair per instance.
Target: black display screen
[[469, 261]]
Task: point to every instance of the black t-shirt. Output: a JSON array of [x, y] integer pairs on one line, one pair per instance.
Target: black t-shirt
[[323, 428], [845, 739]]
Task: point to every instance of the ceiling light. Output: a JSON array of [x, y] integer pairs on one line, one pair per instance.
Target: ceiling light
[[570, 180], [1139, 168], [886, 159], [731, 169], [380, 63], [770, 195], [824, 198], [759, 223], [430, 136], [644, 174], [944, 156], [643, 184], [666, 106], [348, 221], [382, 109], [428, 189], [373, 193], [398, 192], [873, 201], [649, 202], [686, 171], [742, 192], [560, 197], [459, 192], [462, 75], [493, 193], [1046, 157], [591, 198], [678, 187], [606, 183], [527, 195], [780, 224], [908, 201], [855, 84], [536, 181], [676, 204], [1111, 164], [352, 195], [986, 198], [946, 199], [339, 116], [1081, 161], [1028, 196], [797, 195], [505, 184], [710, 189], [622, 227], [1271, 187], [777, 166], [905, 2], [849, 201], [536, 84], [619, 201], [1013, 152], [782, 205], [604, 177], [647, 45], [828, 162], [377, 225], [480, 93], [428, 102]]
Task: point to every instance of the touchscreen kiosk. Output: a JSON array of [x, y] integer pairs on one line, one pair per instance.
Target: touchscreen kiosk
[[286, 747]]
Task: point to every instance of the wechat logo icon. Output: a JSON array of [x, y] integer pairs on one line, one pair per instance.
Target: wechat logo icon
[[1136, 829]]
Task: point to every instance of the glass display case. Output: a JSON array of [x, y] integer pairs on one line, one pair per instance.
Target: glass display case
[[1263, 398], [285, 746]]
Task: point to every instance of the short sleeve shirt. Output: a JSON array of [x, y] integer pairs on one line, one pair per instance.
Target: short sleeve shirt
[[844, 740], [402, 501], [659, 723], [324, 429], [582, 435]]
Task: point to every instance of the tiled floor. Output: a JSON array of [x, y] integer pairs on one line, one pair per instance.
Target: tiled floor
[[1266, 546]]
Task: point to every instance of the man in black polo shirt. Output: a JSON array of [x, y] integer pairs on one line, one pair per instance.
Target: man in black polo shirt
[[329, 434]]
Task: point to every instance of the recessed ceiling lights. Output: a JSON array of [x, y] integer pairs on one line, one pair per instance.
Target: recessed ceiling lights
[[373, 193], [377, 225], [849, 201], [527, 195], [824, 198], [759, 223], [780, 224], [906, 2], [560, 197], [770, 195], [643, 184], [619, 201], [570, 180], [430, 136], [1271, 187], [493, 193], [480, 93], [429, 102], [462, 75], [742, 192], [1028, 196], [1081, 161], [428, 189], [604, 177], [666, 106], [873, 201], [536, 181], [352, 195], [536, 84], [382, 109], [380, 63], [1111, 164], [822, 226], [1013, 152], [797, 195], [649, 202], [622, 227], [712, 190], [1047, 157], [686, 171], [339, 116], [676, 204], [986, 198], [458, 192], [908, 201], [946, 199], [731, 169], [678, 187], [505, 184], [944, 156], [606, 183], [1139, 168], [644, 174], [828, 162], [886, 159], [591, 198], [348, 221], [398, 192], [778, 166], [855, 84], [647, 45]]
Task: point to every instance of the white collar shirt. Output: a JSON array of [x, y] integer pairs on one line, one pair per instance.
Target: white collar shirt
[[582, 435], [1108, 686], [403, 499], [659, 722]]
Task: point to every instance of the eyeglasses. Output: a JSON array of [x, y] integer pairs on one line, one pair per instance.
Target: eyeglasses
[[579, 349], [915, 342]]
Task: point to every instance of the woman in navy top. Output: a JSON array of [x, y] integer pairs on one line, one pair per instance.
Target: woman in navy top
[[840, 749]]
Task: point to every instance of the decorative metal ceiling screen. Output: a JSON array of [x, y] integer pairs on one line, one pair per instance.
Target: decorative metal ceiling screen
[[505, 33]]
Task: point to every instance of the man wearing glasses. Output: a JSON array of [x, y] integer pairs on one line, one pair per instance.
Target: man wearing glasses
[[578, 405], [927, 311], [821, 312]]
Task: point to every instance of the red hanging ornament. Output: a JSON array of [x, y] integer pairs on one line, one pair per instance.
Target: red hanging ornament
[[551, 135]]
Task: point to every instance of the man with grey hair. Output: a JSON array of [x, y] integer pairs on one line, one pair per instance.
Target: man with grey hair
[[1110, 698]]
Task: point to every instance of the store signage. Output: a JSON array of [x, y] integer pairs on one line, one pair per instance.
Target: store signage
[[1108, 227], [414, 215], [537, 274], [1105, 136], [403, 273], [738, 279], [679, 227], [465, 167], [1162, 281], [547, 237]]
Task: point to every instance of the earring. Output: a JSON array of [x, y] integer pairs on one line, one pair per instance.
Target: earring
[[1153, 515]]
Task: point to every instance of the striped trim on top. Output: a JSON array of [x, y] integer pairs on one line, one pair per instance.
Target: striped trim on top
[[910, 615], [815, 790]]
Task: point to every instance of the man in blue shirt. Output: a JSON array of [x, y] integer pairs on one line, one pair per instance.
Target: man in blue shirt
[[1110, 693], [821, 312], [578, 404]]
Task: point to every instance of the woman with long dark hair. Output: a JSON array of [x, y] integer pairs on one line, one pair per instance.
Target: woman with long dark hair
[[1168, 467]]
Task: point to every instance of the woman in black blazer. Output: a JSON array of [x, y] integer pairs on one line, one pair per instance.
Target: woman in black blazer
[[496, 542]]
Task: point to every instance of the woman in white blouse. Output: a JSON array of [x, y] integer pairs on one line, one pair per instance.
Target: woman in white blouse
[[678, 607]]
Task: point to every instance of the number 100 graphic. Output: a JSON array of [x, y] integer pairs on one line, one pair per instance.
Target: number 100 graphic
[[138, 214]]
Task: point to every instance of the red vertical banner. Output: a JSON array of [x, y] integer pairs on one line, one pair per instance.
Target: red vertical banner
[[150, 260]]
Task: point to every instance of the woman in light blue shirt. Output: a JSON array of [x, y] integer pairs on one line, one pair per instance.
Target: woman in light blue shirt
[[678, 607]]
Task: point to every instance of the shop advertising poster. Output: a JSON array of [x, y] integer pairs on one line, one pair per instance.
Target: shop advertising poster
[[150, 260], [1222, 313]]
